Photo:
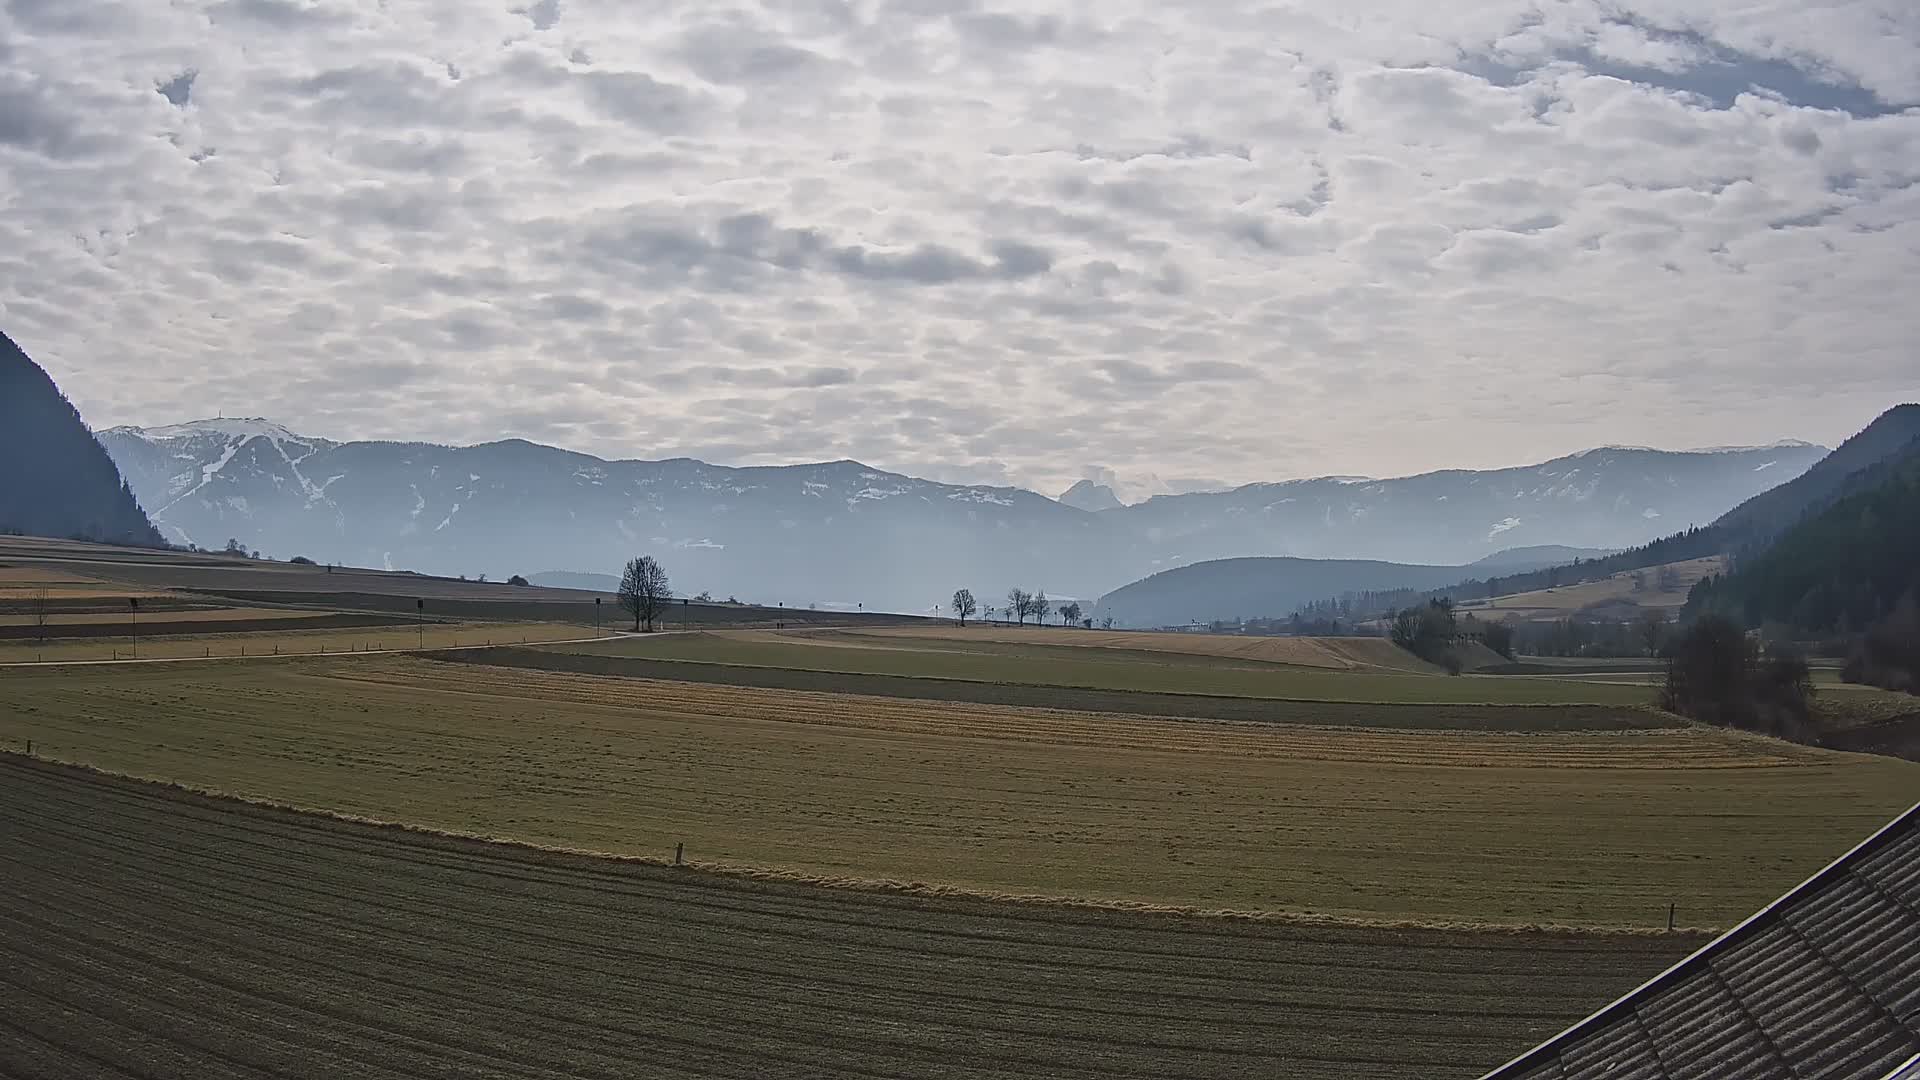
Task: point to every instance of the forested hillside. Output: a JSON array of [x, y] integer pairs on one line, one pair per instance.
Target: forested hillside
[[55, 479], [1838, 571], [1850, 572]]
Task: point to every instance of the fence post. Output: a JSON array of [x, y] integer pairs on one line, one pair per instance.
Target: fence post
[[1669, 916], [678, 851]]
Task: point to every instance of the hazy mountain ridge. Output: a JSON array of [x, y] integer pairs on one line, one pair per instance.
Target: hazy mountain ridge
[[838, 532], [55, 478]]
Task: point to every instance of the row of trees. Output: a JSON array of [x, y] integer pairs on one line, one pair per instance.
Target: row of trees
[[1021, 606]]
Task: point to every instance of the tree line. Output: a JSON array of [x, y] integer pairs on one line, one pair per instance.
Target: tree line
[[1021, 606]]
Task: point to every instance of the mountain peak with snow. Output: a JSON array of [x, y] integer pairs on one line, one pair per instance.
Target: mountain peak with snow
[[230, 427]]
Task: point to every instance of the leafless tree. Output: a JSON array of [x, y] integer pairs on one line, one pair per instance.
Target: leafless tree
[[1019, 604], [644, 590], [1070, 613], [964, 605], [1653, 631], [1042, 607]]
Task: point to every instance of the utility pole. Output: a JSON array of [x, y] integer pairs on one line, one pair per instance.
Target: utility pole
[[134, 603], [420, 619], [596, 615]]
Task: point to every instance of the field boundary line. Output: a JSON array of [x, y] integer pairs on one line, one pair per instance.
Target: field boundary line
[[875, 886]]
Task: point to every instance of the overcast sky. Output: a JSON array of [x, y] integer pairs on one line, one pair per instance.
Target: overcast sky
[[983, 240]]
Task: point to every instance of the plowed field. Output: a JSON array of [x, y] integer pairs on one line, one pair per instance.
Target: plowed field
[[151, 933]]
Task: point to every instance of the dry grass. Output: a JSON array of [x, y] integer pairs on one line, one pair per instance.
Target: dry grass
[[1616, 590], [1576, 829], [194, 615], [291, 642]]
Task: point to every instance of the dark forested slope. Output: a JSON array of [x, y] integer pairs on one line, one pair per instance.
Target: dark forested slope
[[55, 479]]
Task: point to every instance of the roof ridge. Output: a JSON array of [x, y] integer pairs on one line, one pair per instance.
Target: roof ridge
[[1622, 1006]]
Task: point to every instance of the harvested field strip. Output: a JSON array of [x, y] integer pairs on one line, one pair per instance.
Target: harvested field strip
[[1139, 703], [176, 624], [1089, 668], [1338, 653], [1470, 827], [341, 633], [1625, 749], [149, 932]]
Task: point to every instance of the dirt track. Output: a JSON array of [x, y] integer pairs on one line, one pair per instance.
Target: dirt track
[[149, 932]]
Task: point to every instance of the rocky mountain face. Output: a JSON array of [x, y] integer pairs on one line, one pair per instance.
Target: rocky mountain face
[[1091, 497], [55, 480], [844, 533]]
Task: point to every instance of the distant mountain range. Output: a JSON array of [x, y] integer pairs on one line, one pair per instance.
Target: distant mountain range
[[1236, 588], [55, 480], [843, 532]]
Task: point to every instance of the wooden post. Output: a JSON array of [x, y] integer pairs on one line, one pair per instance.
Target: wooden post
[[29, 747], [1669, 916], [678, 851]]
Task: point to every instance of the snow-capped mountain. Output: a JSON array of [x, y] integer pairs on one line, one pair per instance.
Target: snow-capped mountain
[[834, 532], [842, 532]]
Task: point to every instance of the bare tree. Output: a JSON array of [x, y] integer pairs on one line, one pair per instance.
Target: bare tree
[[1070, 613], [38, 606], [964, 605], [1019, 604], [1106, 623], [1041, 608], [1653, 631], [644, 590]]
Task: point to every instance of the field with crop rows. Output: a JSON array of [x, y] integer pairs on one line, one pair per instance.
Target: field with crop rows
[[1041, 664], [1584, 829], [148, 932]]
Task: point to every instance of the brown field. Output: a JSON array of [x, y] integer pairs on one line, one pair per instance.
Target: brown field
[[1584, 829], [1617, 590], [149, 932], [285, 642]]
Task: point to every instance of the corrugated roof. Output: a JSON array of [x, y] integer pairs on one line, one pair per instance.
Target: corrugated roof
[[1822, 983]]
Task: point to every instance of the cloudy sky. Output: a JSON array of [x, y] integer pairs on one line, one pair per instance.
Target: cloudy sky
[[1008, 240]]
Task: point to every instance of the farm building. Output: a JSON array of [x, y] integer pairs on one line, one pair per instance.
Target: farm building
[[1824, 982]]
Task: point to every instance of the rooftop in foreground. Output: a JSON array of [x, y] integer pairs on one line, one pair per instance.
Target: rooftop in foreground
[[1824, 982]]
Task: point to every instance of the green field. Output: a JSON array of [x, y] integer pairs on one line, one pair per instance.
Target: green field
[[1583, 829], [147, 932], [1040, 664]]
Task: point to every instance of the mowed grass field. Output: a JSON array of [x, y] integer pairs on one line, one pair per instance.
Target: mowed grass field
[[1583, 829], [1039, 662], [149, 932]]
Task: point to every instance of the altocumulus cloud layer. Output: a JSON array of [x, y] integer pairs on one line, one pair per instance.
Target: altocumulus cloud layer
[[978, 239]]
